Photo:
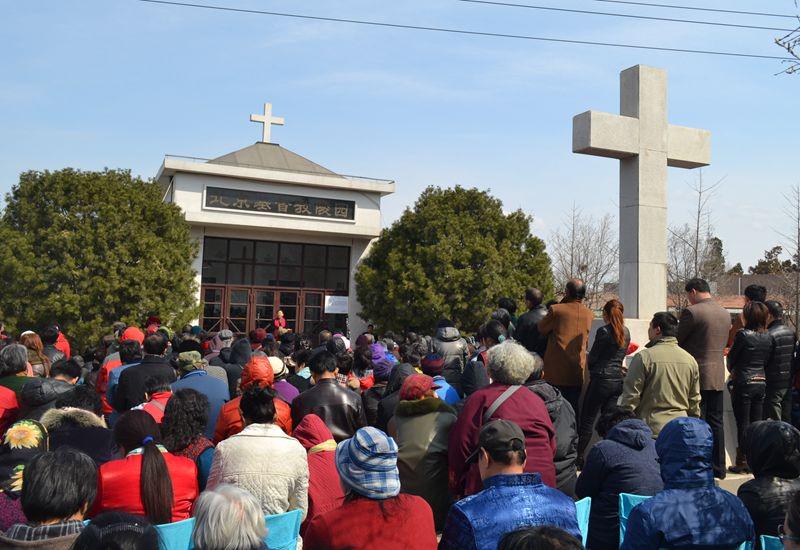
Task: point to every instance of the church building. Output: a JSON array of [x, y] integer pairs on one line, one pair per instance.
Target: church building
[[277, 232]]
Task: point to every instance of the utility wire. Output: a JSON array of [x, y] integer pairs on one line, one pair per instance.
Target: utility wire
[[464, 32], [694, 8], [626, 15]]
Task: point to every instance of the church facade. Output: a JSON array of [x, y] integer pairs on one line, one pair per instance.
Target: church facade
[[277, 232]]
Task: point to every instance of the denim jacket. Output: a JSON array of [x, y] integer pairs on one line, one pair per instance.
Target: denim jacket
[[507, 503]]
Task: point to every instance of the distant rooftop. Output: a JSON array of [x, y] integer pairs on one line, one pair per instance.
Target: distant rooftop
[[271, 156]]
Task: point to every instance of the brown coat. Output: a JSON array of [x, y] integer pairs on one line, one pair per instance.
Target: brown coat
[[703, 332], [566, 326]]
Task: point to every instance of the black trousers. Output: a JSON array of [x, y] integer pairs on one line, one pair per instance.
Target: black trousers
[[778, 404], [572, 394], [601, 395], [748, 407], [711, 410]]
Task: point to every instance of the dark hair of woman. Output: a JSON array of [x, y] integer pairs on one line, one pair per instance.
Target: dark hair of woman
[[494, 330], [136, 429], [545, 537], [755, 316], [614, 311], [118, 531], [611, 418], [58, 485], [258, 405], [344, 362], [185, 419], [362, 360]]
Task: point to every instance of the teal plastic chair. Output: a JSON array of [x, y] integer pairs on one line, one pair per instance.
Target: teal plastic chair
[[176, 536], [771, 543], [627, 502], [283, 530], [583, 507]]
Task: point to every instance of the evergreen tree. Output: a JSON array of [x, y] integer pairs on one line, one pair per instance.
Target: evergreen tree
[[453, 255], [85, 249]]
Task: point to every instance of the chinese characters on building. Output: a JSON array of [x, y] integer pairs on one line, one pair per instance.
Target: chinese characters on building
[[254, 201]]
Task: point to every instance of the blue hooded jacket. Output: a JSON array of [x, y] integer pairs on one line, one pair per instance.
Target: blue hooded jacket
[[624, 462], [691, 511]]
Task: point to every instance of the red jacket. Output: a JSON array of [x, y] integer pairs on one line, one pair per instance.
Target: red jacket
[[324, 488], [155, 407], [118, 484], [9, 408], [361, 523], [524, 408], [101, 385]]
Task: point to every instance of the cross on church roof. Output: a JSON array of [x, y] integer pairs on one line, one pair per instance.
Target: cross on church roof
[[267, 120]]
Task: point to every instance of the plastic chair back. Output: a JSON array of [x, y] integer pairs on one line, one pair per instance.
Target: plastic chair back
[[627, 502], [771, 543], [583, 507], [283, 530], [176, 536]]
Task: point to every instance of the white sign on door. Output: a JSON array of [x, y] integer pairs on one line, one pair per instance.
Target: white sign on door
[[336, 304]]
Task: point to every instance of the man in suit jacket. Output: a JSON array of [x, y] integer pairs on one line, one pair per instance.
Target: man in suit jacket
[[567, 326], [703, 332]]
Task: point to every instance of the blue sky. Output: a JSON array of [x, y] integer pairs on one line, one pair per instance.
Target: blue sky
[[120, 83]]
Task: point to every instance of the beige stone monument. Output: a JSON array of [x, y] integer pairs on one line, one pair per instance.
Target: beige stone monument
[[645, 144]]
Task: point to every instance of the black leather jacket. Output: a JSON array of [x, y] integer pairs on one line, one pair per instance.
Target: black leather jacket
[[749, 356], [774, 461], [527, 333], [341, 409], [780, 364], [606, 357]]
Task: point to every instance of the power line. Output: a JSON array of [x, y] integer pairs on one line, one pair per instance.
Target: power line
[[625, 15], [464, 31], [694, 8]]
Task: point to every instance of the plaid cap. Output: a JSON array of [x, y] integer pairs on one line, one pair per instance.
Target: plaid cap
[[367, 464], [416, 386], [497, 435]]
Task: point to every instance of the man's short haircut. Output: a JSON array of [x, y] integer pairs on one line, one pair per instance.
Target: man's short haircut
[[57, 485], [697, 284], [258, 404], [756, 293], [508, 304], [445, 323], [129, 351], [81, 397], [321, 362], [155, 344], [545, 537], [516, 456], [13, 359], [667, 322], [228, 517], [534, 296], [775, 308], [50, 335], [155, 384], [576, 289], [611, 418], [324, 337], [67, 368], [503, 316]]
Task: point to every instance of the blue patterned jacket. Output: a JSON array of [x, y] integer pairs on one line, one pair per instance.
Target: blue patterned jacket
[[507, 503]]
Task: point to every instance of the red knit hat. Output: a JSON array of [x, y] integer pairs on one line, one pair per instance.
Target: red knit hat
[[416, 386], [132, 333]]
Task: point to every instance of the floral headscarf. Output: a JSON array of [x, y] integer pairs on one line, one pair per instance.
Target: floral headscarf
[[22, 441]]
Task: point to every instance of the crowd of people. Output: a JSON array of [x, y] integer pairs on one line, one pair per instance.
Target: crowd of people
[[407, 440]]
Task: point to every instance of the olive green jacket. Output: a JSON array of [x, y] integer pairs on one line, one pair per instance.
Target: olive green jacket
[[663, 383]]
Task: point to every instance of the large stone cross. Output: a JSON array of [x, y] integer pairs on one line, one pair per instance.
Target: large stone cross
[[645, 143], [267, 120]]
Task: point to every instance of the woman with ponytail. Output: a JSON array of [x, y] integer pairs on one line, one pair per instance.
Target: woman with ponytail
[[149, 481], [606, 371]]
